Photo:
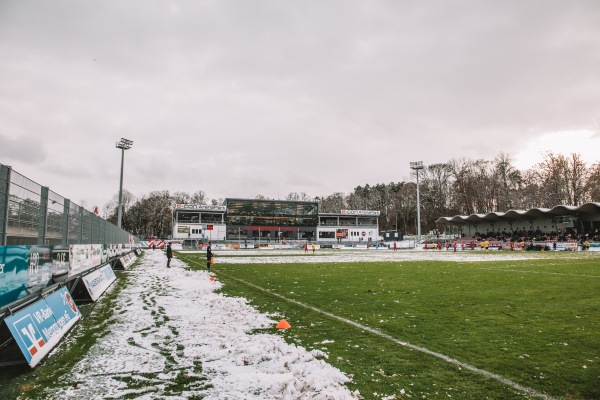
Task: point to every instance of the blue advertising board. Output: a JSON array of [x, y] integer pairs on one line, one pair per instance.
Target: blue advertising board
[[40, 326], [14, 265], [27, 269]]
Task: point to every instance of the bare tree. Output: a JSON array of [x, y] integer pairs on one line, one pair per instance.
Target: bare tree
[[199, 197], [508, 180], [407, 207], [576, 179], [127, 200], [592, 186], [463, 181], [532, 195], [435, 189], [182, 198], [563, 179], [333, 203]]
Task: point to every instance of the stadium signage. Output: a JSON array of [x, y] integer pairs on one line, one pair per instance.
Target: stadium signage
[[207, 207], [98, 281], [84, 257], [40, 326], [24, 270], [341, 233], [126, 260], [361, 212]]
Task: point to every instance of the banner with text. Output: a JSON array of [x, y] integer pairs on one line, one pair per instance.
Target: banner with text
[[40, 326], [84, 257], [98, 281], [24, 270]]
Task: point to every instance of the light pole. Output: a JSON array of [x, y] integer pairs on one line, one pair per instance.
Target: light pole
[[416, 166], [123, 144]]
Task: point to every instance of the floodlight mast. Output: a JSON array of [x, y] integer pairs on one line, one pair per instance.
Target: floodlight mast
[[416, 166], [123, 144]]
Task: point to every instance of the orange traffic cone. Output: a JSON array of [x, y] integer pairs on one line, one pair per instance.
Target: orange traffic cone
[[283, 324]]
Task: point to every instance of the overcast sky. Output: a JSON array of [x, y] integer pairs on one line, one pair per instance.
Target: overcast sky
[[239, 98]]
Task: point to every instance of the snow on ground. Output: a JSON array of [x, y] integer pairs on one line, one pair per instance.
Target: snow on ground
[[172, 326], [383, 255]]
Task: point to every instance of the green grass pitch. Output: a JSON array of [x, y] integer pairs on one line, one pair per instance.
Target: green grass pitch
[[533, 322]]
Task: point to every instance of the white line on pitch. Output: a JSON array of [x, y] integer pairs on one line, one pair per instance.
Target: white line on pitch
[[384, 335]]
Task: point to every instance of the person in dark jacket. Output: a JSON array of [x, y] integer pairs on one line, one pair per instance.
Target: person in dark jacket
[[169, 255], [209, 256]]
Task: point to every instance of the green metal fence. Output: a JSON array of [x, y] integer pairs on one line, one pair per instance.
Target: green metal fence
[[32, 214]]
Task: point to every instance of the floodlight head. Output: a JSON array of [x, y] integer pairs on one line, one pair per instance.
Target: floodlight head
[[124, 144], [416, 165]]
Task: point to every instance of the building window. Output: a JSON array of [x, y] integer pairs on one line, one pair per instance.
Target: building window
[[188, 217], [271, 213], [326, 235]]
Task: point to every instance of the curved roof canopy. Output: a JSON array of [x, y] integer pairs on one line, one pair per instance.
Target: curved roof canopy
[[532, 213]]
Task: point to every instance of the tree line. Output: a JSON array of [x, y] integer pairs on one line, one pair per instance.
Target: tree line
[[458, 187]]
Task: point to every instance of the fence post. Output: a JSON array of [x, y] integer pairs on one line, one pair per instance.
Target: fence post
[[91, 219], [80, 231], [65, 222], [5, 172], [43, 216]]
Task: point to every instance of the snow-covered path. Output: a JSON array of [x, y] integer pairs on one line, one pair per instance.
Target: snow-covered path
[[172, 327]]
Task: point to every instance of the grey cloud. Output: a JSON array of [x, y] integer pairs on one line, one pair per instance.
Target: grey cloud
[[26, 149], [220, 93]]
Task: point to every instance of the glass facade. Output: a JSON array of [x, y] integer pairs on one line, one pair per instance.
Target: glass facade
[[260, 222], [188, 217], [195, 217], [272, 213], [339, 220]]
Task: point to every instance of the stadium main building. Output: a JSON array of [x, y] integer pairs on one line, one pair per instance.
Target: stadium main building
[[247, 220]]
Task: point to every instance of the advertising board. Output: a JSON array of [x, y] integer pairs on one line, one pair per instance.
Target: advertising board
[[40, 326], [126, 260], [341, 233], [98, 281], [24, 270], [83, 257], [60, 261], [13, 273]]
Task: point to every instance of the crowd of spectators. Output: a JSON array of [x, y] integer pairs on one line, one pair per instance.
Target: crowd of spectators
[[567, 236]]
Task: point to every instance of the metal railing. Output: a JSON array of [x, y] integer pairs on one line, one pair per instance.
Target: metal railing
[[32, 214]]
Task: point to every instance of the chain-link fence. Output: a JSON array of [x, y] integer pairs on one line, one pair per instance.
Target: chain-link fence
[[31, 214]]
